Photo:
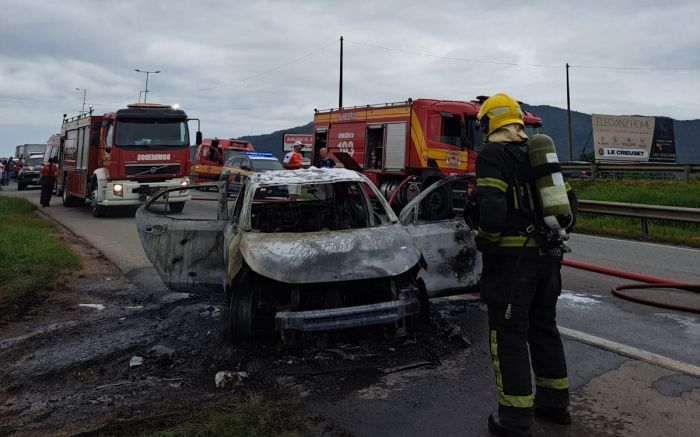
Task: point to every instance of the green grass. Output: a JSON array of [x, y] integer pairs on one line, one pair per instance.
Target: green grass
[[253, 417], [649, 192], [31, 253]]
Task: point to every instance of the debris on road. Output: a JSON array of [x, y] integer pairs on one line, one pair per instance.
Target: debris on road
[[229, 379], [97, 306], [135, 361]]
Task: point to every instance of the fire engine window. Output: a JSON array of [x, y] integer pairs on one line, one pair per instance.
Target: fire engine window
[[153, 134], [109, 139], [445, 128]]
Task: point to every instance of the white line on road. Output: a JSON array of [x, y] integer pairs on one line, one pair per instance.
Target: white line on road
[[632, 352], [619, 240]]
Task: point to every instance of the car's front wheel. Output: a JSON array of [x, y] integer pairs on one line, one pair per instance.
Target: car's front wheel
[[243, 309]]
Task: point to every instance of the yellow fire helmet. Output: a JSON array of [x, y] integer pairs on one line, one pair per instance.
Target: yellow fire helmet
[[500, 110]]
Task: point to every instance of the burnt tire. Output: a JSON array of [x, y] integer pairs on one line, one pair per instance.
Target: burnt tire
[[242, 310], [176, 207], [438, 205]]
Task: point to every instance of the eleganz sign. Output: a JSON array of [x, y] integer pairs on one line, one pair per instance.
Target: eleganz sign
[[628, 138]]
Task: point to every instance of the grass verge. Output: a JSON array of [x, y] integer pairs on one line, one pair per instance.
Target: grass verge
[[32, 255], [255, 417], [649, 192]]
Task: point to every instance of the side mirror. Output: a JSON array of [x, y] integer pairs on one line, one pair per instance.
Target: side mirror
[[198, 137]]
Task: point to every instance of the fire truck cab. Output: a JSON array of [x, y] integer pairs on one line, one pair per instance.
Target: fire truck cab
[[405, 147], [212, 154], [122, 158]]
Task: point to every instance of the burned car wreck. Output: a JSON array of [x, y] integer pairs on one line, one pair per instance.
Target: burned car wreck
[[332, 256]]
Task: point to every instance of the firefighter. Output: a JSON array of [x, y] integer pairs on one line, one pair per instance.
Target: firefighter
[[48, 180], [521, 278]]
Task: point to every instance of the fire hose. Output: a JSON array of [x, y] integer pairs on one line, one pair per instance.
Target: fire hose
[[646, 281]]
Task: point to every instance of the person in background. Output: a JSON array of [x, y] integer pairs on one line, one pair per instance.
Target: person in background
[[48, 179], [2, 171], [324, 161], [293, 161], [9, 169]]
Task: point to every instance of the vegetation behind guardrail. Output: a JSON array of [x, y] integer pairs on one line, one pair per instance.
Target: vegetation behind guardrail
[[660, 193]]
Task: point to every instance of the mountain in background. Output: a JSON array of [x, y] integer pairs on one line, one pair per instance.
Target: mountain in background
[[554, 124]]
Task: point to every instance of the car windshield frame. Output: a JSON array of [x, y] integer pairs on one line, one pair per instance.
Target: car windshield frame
[[256, 164], [149, 135], [36, 160]]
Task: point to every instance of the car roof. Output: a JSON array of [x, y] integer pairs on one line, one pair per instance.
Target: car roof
[[36, 155], [311, 175]]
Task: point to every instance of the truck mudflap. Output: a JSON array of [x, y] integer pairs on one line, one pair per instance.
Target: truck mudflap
[[347, 317]]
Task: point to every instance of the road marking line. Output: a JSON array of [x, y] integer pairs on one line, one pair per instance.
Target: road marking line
[[632, 352], [666, 246]]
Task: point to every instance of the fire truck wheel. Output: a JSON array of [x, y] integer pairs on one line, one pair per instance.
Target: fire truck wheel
[[176, 207], [97, 209], [438, 205], [68, 200]]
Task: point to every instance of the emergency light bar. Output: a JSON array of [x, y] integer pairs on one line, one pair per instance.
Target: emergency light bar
[[263, 154]]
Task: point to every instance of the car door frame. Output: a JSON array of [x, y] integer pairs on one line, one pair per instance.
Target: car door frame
[[452, 262], [187, 253]]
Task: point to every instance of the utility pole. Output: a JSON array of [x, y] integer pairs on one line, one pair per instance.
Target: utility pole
[[568, 113], [340, 90], [82, 110], [145, 92]]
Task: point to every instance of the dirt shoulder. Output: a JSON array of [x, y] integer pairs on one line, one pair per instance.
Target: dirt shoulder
[[68, 365]]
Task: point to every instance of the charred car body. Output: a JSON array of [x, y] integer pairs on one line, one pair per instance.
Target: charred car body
[[336, 257]]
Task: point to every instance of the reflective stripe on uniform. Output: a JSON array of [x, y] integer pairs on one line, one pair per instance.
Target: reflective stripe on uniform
[[490, 236], [517, 241], [525, 401], [493, 183], [555, 383]]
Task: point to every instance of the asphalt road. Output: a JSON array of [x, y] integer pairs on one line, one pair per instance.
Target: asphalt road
[[643, 379]]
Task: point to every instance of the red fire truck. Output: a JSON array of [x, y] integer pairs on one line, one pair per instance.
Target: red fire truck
[[120, 158], [212, 154], [406, 146]]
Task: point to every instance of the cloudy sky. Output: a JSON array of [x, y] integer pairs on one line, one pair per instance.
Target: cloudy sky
[[251, 67]]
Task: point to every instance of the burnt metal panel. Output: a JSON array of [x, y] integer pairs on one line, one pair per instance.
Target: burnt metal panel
[[449, 250], [315, 257], [187, 254]]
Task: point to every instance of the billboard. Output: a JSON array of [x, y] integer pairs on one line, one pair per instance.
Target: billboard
[[633, 138], [306, 139]]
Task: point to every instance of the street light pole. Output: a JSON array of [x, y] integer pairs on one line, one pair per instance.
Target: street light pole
[[145, 92], [82, 110]]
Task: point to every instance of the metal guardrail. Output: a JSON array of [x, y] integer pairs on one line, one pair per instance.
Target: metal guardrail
[[596, 168], [643, 212]]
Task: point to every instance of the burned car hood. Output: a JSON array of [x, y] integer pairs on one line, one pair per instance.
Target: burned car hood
[[315, 257]]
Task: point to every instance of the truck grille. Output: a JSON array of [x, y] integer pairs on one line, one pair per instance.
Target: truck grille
[[134, 170]]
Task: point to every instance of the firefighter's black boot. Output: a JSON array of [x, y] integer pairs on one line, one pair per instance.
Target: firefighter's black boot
[[500, 429], [554, 415]]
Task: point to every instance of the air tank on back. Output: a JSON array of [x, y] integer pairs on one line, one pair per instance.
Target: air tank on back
[[551, 191]]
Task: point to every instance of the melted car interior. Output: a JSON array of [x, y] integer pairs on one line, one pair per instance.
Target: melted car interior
[[321, 207]]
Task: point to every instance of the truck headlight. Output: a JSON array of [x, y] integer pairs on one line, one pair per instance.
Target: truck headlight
[[118, 190], [185, 183]]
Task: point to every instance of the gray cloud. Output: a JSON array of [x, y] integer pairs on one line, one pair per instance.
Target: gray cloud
[[47, 49]]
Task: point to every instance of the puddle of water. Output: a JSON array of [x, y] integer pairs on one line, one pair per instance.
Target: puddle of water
[[692, 325], [97, 306], [577, 299]]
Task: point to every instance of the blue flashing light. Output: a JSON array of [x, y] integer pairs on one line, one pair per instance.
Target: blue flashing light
[[262, 154]]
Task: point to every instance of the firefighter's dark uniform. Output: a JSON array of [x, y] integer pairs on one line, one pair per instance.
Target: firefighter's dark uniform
[[517, 271]]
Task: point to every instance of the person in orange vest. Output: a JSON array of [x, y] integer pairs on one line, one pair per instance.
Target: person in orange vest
[[48, 179], [293, 161]]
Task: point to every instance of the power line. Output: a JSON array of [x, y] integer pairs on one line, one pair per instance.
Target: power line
[[256, 75], [515, 64]]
